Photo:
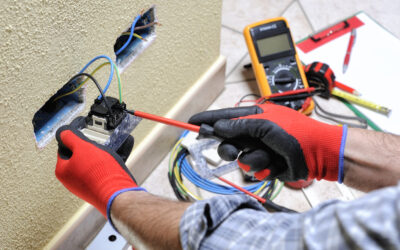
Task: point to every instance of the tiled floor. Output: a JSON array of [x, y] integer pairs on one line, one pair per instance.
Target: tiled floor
[[305, 17]]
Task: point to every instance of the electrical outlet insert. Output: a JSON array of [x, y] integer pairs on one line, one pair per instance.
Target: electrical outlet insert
[[58, 111], [136, 45]]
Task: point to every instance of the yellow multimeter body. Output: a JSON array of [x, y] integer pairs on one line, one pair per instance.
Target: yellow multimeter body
[[275, 62]]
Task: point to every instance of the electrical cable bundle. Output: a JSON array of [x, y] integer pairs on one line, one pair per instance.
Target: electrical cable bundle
[[89, 76], [113, 66], [179, 166]]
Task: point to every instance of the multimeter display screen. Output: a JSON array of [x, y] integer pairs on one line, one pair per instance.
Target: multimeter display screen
[[272, 45]]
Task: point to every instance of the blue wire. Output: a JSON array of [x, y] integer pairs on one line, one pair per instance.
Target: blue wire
[[184, 133], [205, 184], [130, 35], [211, 186], [111, 72]]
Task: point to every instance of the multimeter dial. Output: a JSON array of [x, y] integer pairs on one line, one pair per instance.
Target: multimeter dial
[[282, 79], [283, 76]]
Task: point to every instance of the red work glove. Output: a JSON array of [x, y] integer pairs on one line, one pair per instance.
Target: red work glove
[[91, 171], [272, 141]]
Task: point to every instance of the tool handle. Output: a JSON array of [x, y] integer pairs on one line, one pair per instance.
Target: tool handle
[[346, 88]]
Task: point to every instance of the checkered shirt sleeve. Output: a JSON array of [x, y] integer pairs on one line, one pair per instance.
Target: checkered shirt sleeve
[[239, 222]]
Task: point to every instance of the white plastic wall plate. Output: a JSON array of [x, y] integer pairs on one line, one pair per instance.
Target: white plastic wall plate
[[108, 239]]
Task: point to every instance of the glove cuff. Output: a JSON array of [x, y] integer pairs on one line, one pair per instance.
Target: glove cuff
[[341, 155], [110, 201], [328, 155]]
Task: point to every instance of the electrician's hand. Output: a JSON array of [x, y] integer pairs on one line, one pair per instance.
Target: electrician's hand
[[91, 171], [272, 141]]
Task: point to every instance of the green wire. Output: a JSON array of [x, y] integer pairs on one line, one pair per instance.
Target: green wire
[[278, 191], [361, 115], [119, 83]]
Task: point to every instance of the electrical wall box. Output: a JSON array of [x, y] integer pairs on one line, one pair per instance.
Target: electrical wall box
[[58, 111], [136, 45]]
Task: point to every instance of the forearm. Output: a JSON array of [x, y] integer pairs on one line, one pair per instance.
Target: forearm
[[151, 220], [371, 159]]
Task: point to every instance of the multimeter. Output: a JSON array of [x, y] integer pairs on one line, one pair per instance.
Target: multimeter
[[274, 59]]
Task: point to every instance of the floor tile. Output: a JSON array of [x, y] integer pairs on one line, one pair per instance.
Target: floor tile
[[324, 13], [232, 94], [293, 199], [346, 192], [233, 47], [237, 14], [157, 182], [321, 191], [298, 22], [240, 74]]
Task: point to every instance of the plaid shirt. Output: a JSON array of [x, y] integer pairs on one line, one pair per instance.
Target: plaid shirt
[[239, 222]]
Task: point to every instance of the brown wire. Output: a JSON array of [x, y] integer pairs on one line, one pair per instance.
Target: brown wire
[[146, 26]]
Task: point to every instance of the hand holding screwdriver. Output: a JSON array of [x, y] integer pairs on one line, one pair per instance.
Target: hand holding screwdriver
[[289, 145]]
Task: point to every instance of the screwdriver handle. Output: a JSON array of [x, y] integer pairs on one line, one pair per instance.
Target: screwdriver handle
[[207, 131]]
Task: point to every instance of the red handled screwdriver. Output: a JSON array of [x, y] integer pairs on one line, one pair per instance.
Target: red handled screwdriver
[[164, 120], [204, 130]]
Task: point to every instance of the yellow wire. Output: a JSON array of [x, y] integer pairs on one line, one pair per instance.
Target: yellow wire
[[173, 151], [181, 186], [173, 156], [261, 188], [178, 178], [135, 35], [82, 83]]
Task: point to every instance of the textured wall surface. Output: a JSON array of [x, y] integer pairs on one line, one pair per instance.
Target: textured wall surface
[[42, 44]]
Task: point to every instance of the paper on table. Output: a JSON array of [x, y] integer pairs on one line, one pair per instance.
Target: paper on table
[[374, 68]]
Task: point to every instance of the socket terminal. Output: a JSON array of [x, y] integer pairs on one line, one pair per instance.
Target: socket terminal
[[112, 116], [109, 127]]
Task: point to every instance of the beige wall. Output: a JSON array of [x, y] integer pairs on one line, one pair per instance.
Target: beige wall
[[42, 44]]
